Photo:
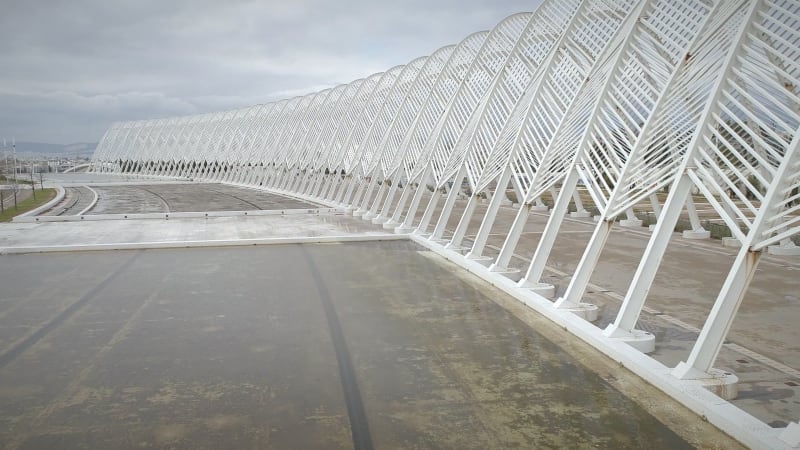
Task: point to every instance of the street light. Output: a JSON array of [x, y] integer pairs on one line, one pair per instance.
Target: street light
[[14, 150], [5, 158], [5, 176], [33, 186]]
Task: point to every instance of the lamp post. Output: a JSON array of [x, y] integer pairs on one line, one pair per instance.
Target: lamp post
[[5, 178], [33, 185], [5, 158], [14, 151]]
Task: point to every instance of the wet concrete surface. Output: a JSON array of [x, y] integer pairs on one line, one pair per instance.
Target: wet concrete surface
[[762, 349], [690, 276], [182, 229], [156, 198], [238, 348]]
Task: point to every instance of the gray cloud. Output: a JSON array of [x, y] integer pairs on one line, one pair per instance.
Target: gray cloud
[[70, 68]]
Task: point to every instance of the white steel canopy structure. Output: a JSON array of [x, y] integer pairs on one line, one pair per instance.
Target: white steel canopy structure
[[617, 99]]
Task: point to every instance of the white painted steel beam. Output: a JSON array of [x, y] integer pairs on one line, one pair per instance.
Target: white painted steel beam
[[600, 104]]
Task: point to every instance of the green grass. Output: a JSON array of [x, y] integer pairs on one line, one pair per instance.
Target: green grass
[[42, 197], [20, 180]]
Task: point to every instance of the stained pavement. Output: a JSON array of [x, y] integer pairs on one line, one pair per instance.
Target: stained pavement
[[761, 347]]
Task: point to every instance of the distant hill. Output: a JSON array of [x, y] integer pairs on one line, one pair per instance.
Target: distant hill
[[33, 149]]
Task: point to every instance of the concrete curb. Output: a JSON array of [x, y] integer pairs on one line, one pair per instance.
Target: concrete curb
[[742, 426], [77, 183], [305, 198], [200, 244], [184, 215], [91, 205], [60, 193]]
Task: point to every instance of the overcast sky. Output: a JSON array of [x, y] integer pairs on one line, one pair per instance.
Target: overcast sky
[[70, 68]]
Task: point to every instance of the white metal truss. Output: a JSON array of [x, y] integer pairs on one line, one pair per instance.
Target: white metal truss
[[594, 140], [615, 103], [527, 136], [478, 142], [445, 154], [416, 156]]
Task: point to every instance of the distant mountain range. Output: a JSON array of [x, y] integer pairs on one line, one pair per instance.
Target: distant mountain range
[[32, 149]]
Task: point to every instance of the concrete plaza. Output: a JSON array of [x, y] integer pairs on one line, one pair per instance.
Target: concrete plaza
[[761, 349]]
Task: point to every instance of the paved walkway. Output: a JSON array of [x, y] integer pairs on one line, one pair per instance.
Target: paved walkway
[[177, 230], [302, 346], [764, 343], [188, 198]]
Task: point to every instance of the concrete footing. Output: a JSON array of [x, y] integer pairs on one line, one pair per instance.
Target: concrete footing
[[731, 242], [450, 246], [546, 290], [580, 214], [586, 311], [721, 382], [630, 223], [700, 233], [403, 230], [499, 269], [784, 250], [641, 340], [480, 258]]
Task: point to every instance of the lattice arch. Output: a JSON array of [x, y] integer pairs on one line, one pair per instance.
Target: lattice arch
[[610, 107]]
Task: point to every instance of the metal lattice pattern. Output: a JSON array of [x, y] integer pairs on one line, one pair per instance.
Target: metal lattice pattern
[[417, 156], [544, 30], [621, 99], [448, 151]]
